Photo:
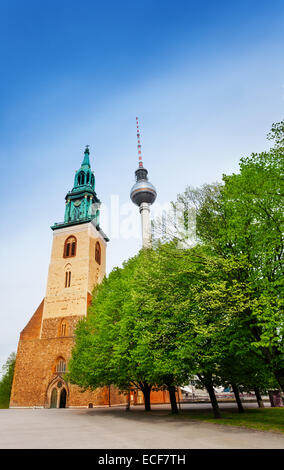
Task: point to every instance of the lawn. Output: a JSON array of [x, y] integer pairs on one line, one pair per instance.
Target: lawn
[[262, 419]]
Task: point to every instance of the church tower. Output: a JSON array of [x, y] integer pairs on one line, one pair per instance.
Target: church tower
[[77, 264], [78, 256]]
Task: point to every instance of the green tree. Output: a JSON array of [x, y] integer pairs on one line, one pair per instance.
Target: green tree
[[243, 218], [185, 306], [164, 317], [180, 299], [245, 370], [6, 381], [106, 342]]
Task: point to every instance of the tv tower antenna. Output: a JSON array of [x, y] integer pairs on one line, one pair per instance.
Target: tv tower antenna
[[143, 194], [140, 163]]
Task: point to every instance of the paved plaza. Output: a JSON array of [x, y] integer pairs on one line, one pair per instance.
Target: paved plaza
[[114, 428]]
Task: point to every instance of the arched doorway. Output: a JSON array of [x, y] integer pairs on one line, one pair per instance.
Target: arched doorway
[[57, 393], [62, 401], [53, 399]]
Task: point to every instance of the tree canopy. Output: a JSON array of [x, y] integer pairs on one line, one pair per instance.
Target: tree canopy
[[6, 380]]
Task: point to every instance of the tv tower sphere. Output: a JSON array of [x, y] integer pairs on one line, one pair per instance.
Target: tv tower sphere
[[143, 190]]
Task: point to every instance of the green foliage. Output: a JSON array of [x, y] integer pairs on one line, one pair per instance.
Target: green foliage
[[243, 219], [105, 351], [6, 381], [277, 134], [166, 316]]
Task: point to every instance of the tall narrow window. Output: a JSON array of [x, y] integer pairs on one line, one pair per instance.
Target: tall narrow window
[[98, 253], [70, 247], [63, 329], [67, 253], [67, 278], [61, 366], [81, 178]]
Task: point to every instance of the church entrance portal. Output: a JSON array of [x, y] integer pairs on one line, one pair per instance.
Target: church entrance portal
[[57, 394]]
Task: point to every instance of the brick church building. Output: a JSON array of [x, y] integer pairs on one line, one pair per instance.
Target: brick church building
[[77, 264]]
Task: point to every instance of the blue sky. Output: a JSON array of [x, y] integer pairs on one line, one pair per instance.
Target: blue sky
[[205, 78]]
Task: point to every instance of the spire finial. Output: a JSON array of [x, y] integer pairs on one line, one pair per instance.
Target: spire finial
[[86, 160], [140, 163]]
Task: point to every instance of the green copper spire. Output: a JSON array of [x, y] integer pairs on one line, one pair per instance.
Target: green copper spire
[[86, 161], [82, 203], [84, 176]]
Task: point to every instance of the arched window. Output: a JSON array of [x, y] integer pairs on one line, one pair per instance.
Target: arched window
[[70, 247], [63, 328], [60, 366], [98, 253], [67, 278], [81, 178]]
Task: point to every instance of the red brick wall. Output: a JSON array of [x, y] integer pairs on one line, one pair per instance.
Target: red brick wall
[[35, 366]]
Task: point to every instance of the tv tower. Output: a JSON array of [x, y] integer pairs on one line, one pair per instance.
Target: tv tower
[[143, 194]]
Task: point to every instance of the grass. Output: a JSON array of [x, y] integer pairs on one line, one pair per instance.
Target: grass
[[262, 419]]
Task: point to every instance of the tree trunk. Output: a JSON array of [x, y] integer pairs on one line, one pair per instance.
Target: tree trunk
[[237, 397], [269, 356], [271, 399], [213, 399], [127, 408], [258, 398], [172, 392], [279, 374], [146, 389]]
